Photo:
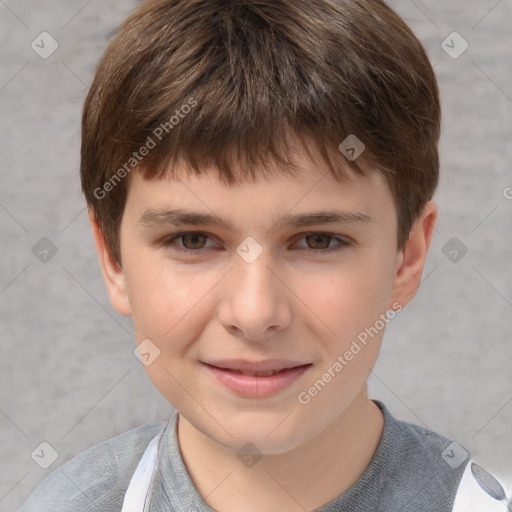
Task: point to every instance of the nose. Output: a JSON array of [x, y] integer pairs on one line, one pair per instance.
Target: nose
[[255, 304]]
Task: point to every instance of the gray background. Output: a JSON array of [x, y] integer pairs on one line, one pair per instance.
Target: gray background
[[67, 372]]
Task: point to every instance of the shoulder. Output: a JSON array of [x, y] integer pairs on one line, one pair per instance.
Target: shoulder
[[423, 448], [433, 472], [423, 468], [98, 477]]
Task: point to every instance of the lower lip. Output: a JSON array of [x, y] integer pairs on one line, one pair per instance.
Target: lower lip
[[257, 387]]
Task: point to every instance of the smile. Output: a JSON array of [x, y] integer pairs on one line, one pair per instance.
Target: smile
[[250, 381]]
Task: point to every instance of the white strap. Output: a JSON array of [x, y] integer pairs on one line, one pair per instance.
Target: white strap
[[471, 496], [136, 494]]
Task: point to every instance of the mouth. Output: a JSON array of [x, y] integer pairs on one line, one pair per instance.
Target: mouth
[[257, 380], [249, 373]]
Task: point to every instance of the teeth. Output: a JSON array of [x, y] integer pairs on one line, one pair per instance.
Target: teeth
[[258, 374], [268, 373], [262, 374]]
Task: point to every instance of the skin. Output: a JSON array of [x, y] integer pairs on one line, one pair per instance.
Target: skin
[[289, 303]]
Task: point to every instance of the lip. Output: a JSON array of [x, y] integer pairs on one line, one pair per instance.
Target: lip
[[228, 373], [264, 365]]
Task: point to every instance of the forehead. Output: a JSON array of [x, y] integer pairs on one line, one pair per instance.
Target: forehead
[[260, 202]]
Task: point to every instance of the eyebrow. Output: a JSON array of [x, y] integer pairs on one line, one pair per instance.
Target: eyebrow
[[180, 217]]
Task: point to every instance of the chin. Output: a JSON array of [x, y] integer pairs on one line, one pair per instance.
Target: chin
[[259, 433]]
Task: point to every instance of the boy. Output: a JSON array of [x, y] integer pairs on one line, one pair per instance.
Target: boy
[[259, 176]]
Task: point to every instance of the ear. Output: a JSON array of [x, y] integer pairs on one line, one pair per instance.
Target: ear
[[411, 260], [111, 269]]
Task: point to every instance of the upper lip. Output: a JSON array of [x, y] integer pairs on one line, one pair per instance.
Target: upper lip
[[256, 366]]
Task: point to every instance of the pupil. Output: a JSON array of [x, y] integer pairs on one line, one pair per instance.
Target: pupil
[[318, 239], [194, 238]]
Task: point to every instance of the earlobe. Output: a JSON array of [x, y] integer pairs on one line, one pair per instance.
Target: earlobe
[[112, 272], [411, 260]]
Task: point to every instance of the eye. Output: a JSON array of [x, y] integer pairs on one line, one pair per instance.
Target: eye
[[190, 242], [194, 242], [321, 242]]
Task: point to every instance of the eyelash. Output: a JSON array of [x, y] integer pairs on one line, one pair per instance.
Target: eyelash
[[170, 242]]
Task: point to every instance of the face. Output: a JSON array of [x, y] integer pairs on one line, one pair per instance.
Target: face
[[282, 275]]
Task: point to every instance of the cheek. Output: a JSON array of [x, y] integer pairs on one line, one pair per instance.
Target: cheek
[[347, 300], [165, 300], [171, 308], [350, 305]]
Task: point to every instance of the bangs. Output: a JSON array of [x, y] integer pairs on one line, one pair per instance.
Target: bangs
[[249, 159]]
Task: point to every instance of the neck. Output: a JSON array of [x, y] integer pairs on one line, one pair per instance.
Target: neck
[[304, 478]]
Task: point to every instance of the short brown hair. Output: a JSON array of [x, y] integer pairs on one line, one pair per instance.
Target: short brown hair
[[224, 83]]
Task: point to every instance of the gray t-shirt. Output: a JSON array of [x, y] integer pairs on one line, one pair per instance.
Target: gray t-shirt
[[406, 473]]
